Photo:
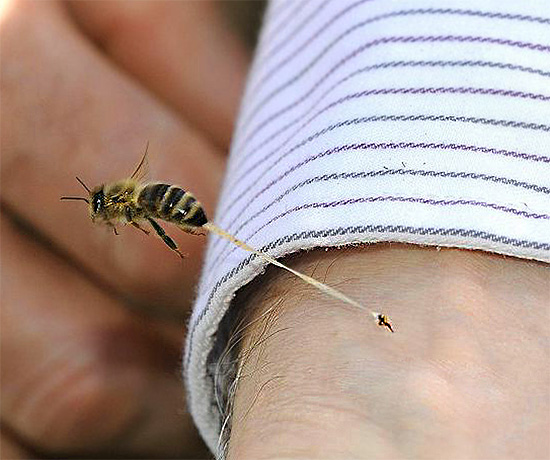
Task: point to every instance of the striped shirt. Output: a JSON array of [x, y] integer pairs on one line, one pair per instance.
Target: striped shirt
[[415, 121]]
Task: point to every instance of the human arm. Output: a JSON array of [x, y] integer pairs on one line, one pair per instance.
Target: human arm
[[464, 376]]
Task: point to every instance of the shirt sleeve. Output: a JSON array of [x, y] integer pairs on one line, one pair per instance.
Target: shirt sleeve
[[417, 121]]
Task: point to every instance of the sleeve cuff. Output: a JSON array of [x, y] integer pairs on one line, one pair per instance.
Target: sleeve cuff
[[421, 122]]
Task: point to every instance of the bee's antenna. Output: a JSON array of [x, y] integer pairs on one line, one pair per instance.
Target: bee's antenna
[[143, 159], [80, 198], [83, 184]]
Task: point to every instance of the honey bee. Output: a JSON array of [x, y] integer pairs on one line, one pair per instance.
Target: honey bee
[[132, 202]]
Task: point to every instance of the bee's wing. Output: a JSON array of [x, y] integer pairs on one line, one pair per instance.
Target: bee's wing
[[141, 172]]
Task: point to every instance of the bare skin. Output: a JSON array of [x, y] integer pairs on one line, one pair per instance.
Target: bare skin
[[92, 323], [465, 376]]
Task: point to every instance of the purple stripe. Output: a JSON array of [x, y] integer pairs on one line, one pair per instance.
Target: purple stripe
[[358, 230], [271, 53], [277, 47], [394, 14], [275, 10], [393, 40], [392, 199], [382, 173], [389, 146], [377, 118], [378, 92], [385, 65], [283, 20]]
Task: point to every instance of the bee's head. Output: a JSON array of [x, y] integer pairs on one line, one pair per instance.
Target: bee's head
[[97, 202]]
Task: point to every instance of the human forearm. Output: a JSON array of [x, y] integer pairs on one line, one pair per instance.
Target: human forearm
[[465, 375]]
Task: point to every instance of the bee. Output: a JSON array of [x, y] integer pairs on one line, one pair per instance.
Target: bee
[[132, 202]]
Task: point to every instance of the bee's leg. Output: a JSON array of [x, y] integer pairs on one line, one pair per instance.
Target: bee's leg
[[167, 240], [130, 219], [115, 231], [136, 225]]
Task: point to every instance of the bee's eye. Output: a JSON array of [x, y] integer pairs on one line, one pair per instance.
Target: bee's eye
[[97, 201]]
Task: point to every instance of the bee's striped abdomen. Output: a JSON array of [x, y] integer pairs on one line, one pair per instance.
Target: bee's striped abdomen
[[171, 199], [151, 196], [187, 210], [173, 204]]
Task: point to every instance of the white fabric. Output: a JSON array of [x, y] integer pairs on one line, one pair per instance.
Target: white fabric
[[419, 121]]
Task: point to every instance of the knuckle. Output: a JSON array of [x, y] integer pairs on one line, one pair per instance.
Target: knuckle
[[77, 403]]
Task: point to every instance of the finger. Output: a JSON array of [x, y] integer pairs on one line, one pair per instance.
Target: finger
[[183, 51], [77, 115], [80, 375], [11, 450]]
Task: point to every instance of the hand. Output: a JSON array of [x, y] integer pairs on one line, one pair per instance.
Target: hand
[[466, 374], [91, 322]]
